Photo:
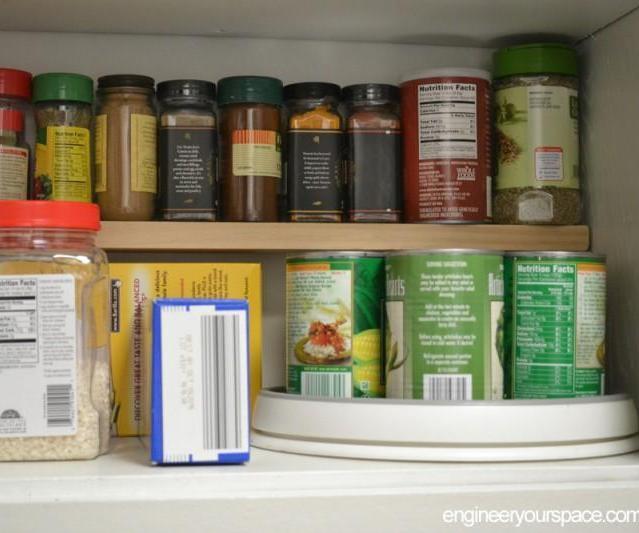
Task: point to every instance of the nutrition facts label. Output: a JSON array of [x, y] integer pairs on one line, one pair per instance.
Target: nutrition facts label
[[447, 121], [37, 355], [554, 302]]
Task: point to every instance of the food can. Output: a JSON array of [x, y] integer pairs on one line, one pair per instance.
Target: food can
[[444, 323], [333, 324], [555, 324], [447, 146]]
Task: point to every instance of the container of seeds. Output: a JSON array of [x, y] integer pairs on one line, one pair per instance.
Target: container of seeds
[[537, 127], [55, 387]]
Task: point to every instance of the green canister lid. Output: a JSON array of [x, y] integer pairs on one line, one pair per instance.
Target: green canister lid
[[62, 86], [542, 58], [249, 89]]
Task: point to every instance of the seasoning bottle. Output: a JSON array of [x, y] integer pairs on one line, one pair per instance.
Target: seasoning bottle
[[15, 93], [63, 106], [314, 152], [250, 147], [374, 146], [14, 156], [188, 150], [126, 180], [537, 126]]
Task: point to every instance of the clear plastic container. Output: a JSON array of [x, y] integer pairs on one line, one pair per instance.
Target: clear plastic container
[[55, 380]]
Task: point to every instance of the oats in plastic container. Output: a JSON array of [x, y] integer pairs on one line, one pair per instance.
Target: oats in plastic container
[[55, 382]]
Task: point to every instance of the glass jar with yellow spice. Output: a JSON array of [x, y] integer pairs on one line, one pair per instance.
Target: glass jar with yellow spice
[[314, 152]]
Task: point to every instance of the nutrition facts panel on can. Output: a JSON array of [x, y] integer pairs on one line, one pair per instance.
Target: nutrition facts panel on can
[[447, 121], [37, 355]]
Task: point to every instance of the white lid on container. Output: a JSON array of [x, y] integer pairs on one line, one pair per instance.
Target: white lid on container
[[446, 72]]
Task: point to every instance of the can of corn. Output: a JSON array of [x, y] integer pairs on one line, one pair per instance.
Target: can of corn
[[555, 324], [444, 322], [333, 324]]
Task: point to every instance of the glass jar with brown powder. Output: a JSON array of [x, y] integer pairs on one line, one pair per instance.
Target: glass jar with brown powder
[[126, 179], [250, 147]]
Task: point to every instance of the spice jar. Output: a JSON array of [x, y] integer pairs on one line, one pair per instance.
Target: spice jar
[[188, 150], [250, 147], [126, 180], [14, 156], [373, 160], [314, 152], [55, 386], [537, 127], [63, 107], [15, 94]]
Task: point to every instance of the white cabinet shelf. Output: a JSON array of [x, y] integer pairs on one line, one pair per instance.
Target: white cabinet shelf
[[275, 491], [440, 22]]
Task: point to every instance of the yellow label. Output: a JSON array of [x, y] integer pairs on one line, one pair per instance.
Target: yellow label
[[134, 286], [14, 172], [256, 153], [101, 153], [63, 164], [144, 170]]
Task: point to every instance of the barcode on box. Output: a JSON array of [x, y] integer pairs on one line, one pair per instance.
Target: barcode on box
[[221, 401], [448, 386], [327, 384], [200, 381], [59, 402]]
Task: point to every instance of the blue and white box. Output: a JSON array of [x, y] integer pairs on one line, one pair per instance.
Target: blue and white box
[[200, 387]]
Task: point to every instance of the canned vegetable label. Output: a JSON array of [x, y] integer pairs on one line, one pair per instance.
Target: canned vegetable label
[[333, 315], [555, 326], [444, 326]]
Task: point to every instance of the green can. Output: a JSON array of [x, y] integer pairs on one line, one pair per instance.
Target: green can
[[444, 322], [555, 324], [333, 324]]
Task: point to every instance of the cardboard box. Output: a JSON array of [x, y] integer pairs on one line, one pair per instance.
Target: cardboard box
[[200, 389], [134, 286]]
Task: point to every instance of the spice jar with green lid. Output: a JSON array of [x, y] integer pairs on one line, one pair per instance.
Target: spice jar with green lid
[[537, 128], [250, 147], [63, 106]]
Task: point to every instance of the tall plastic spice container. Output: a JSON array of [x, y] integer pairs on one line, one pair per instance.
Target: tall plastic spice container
[[63, 107], [374, 153], [55, 387], [126, 174], [250, 147], [537, 126], [15, 95]]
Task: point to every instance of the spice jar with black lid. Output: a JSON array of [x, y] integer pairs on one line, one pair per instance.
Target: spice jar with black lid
[[314, 152], [250, 147], [187, 150], [374, 152], [126, 181]]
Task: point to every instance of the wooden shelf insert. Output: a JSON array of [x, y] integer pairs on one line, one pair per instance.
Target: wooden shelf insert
[[228, 236]]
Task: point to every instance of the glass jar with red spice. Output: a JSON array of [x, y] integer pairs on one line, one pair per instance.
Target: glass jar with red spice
[[374, 151]]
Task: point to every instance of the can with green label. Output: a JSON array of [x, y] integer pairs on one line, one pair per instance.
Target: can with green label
[[333, 324], [555, 324], [444, 323]]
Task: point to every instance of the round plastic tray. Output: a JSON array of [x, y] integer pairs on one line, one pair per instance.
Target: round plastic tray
[[414, 430]]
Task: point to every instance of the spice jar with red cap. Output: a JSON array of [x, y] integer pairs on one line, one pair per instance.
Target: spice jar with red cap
[[14, 156], [55, 386], [15, 94]]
